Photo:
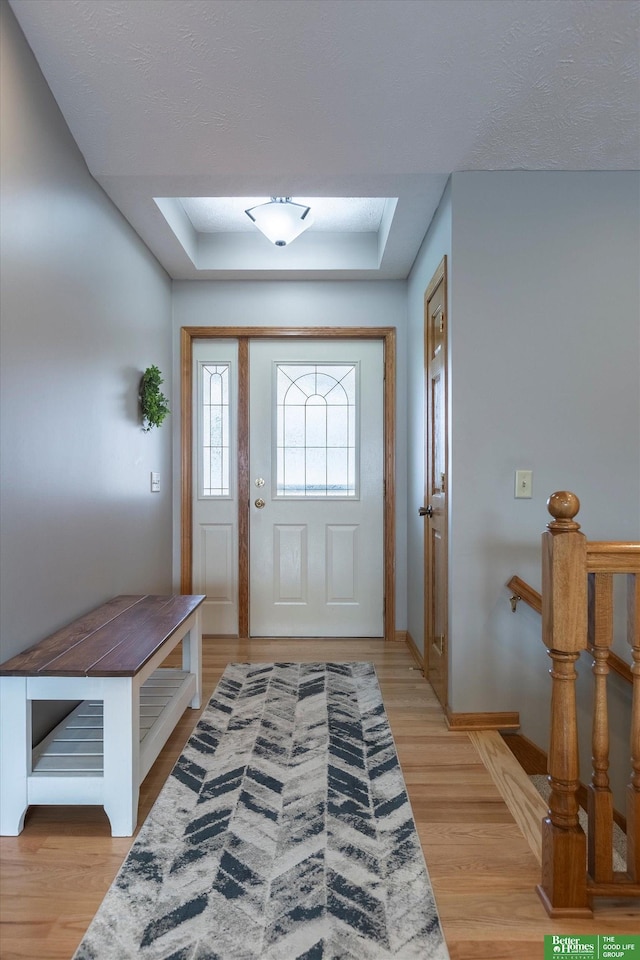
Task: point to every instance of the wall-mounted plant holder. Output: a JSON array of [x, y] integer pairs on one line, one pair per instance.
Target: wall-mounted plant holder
[[153, 403]]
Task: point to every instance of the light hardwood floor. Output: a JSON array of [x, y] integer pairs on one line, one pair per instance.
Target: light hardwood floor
[[55, 874]]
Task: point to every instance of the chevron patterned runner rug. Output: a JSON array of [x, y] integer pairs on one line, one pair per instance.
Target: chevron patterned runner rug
[[284, 832]]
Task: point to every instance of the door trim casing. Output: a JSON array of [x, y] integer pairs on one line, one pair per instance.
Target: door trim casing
[[244, 335]]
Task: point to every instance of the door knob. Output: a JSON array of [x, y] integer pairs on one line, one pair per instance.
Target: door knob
[[425, 511], [260, 503]]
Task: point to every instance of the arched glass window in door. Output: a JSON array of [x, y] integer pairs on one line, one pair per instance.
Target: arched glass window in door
[[316, 434]]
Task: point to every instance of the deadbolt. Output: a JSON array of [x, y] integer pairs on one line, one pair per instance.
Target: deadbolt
[[259, 482], [260, 503]]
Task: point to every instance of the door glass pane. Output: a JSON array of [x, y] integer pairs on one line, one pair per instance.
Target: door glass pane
[[316, 430], [215, 419]]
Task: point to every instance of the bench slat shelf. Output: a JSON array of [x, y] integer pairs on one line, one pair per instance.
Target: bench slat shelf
[[100, 753], [77, 743]]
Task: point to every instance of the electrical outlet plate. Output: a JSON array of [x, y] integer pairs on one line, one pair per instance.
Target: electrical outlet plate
[[523, 484]]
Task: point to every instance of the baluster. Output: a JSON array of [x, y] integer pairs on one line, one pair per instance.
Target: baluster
[[633, 790], [599, 796], [563, 887]]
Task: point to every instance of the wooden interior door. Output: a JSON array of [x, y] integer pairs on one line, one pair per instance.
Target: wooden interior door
[[436, 485]]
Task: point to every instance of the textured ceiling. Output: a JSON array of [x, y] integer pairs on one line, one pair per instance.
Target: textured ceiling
[[360, 98]]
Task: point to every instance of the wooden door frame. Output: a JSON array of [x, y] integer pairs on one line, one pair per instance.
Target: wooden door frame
[[244, 335]]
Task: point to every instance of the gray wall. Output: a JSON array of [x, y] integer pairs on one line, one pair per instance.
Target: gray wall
[[85, 308], [545, 345], [544, 338], [304, 304]]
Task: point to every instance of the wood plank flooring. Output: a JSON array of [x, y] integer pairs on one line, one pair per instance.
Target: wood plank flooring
[[55, 874]]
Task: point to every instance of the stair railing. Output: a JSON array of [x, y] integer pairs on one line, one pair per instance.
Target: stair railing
[[577, 614], [530, 596]]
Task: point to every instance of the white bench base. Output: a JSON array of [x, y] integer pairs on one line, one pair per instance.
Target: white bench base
[[80, 762], [67, 767]]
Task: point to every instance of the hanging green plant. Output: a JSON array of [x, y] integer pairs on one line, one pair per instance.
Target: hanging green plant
[[153, 403]]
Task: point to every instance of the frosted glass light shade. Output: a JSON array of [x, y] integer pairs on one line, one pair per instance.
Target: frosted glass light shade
[[280, 220]]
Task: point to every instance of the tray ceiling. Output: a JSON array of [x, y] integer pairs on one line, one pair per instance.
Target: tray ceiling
[[329, 99]]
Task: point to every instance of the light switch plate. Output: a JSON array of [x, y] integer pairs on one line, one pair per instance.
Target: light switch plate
[[524, 483], [155, 483]]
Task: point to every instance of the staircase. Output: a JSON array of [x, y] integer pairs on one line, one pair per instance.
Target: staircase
[[577, 607], [527, 795]]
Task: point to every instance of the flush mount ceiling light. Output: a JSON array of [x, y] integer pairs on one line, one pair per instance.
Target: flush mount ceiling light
[[280, 219]]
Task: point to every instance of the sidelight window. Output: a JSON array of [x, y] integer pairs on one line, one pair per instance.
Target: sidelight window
[[215, 433]]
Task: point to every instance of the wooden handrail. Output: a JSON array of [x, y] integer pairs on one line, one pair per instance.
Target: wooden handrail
[[577, 614], [522, 591], [605, 556]]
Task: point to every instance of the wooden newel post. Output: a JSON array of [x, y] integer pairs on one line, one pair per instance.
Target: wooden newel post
[[563, 888]]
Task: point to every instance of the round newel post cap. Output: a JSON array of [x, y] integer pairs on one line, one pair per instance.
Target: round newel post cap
[[563, 507]]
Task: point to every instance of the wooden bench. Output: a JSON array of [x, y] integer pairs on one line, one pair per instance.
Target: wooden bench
[[102, 751]]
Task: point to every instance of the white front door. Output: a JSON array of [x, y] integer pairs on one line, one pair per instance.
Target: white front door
[[316, 462], [316, 466]]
